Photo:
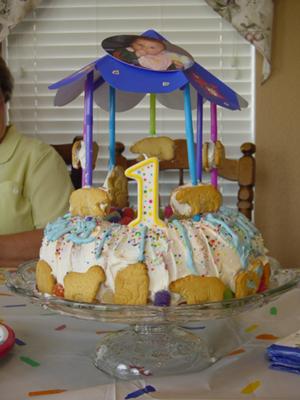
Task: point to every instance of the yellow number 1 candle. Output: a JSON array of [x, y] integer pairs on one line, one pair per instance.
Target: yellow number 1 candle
[[146, 175]]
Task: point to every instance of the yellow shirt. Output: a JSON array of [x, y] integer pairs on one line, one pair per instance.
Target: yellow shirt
[[34, 183]]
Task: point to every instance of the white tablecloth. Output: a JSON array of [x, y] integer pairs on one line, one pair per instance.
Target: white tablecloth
[[53, 355]]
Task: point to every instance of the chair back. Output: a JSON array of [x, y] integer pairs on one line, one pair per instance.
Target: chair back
[[241, 170]]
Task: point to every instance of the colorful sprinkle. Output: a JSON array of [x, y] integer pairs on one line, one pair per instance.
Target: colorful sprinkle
[[61, 327], [267, 336], [30, 361], [273, 310], [46, 392], [251, 328], [249, 389], [19, 342], [235, 352], [140, 392]]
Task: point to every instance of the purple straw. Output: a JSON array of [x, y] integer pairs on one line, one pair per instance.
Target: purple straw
[[87, 173], [214, 138], [199, 136]]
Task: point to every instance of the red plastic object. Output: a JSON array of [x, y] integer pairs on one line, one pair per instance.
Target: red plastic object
[[7, 339]]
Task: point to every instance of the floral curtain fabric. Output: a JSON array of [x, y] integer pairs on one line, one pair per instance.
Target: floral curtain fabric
[[253, 20], [12, 12]]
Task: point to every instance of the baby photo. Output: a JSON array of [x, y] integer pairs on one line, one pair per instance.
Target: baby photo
[[146, 52]]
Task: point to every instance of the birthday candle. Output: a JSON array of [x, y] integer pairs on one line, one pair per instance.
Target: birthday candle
[[146, 175], [214, 138], [88, 130]]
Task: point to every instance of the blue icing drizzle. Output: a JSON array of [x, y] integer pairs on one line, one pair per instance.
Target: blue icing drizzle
[[243, 250], [141, 255], [81, 231], [190, 259], [56, 229], [100, 244], [78, 230]]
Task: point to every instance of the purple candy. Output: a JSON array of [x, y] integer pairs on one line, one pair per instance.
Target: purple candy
[[114, 217], [162, 298]]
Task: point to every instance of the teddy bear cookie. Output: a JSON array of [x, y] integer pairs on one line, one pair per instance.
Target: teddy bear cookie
[[78, 154], [132, 285], [84, 286], [161, 147], [254, 280], [90, 201], [213, 155], [187, 201], [117, 185], [198, 289], [45, 281]]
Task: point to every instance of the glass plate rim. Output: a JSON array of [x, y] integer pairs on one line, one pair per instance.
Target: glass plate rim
[[261, 297]]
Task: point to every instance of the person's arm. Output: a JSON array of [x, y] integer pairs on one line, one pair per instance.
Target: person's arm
[[20, 247]]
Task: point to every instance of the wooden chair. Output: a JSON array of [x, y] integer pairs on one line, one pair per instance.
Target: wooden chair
[[65, 151], [240, 170]]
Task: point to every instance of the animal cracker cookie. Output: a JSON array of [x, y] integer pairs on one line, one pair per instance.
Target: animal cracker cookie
[[161, 147], [213, 155], [84, 286], [187, 201], [246, 283], [92, 202], [45, 281], [198, 289], [78, 153], [117, 185], [132, 285]]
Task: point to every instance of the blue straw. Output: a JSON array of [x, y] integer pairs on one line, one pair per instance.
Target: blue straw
[[190, 134], [112, 127]]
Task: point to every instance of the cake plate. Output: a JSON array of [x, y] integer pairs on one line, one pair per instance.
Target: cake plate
[[154, 343]]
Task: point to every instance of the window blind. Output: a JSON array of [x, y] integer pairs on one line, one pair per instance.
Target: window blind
[[60, 36]]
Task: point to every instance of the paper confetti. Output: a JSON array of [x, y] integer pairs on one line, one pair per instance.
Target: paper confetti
[[140, 392], [235, 352], [193, 327], [15, 305], [29, 361], [19, 342], [273, 310], [61, 327], [251, 387], [251, 328], [108, 331], [267, 336], [46, 392]]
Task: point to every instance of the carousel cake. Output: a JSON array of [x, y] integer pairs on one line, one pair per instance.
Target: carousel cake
[[204, 252]]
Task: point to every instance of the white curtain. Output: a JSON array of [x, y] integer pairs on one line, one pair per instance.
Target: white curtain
[[12, 12], [252, 19]]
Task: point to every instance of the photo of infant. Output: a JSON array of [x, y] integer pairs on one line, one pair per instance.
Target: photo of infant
[[146, 52]]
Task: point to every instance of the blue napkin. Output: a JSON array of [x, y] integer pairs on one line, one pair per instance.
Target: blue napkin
[[284, 355]]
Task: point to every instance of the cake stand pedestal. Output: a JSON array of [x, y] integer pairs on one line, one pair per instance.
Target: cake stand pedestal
[[152, 350], [154, 343]]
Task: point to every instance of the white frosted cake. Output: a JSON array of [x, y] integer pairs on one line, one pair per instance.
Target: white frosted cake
[[170, 260]]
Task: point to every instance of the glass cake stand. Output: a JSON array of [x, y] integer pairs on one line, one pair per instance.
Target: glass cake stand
[[154, 343]]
